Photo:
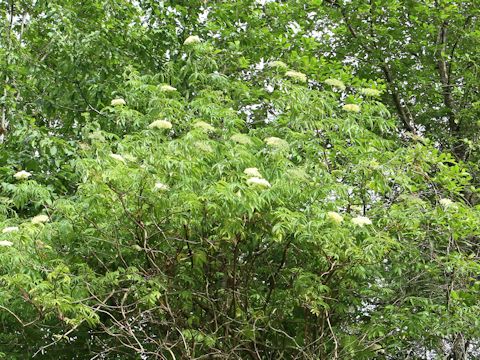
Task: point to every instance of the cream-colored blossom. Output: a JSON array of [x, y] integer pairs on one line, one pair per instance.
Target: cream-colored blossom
[[296, 75], [117, 157], [40, 219], [256, 181], [167, 88], [253, 172], [370, 92], [241, 139], [204, 126], [161, 186], [446, 203], [351, 108], [277, 64], [361, 221], [334, 217], [192, 39], [22, 175], [6, 243], [10, 229], [160, 124], [276, 142], [118, 102], [335, 83]]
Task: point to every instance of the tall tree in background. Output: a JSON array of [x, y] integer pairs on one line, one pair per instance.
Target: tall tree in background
[[426, 52]]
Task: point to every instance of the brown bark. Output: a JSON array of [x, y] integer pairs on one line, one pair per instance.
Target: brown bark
[[444, 73], [8, 26], [402, 110]]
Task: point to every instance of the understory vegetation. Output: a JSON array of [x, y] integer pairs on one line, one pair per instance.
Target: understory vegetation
[[239, 179]]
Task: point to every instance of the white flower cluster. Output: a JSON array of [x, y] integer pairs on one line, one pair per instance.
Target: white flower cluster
[[5, 243], [277, 64], [258, 182], [10, 229], [335, 83], [167, 88], [351, 108], [334, 217], [22, 175], [241, 139], [447, 203], [40, 219], [253, 172], [192, 39], [361, 221], [256, 178], [161, 187], [204, 126], [296, 75], [370, 92], [160, 124], [276, 142], [118, 102]]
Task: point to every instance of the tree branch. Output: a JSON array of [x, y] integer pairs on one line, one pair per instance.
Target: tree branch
[[444, 73]]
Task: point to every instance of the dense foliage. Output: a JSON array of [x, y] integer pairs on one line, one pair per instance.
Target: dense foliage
[[241, 179]]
